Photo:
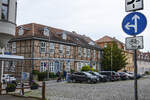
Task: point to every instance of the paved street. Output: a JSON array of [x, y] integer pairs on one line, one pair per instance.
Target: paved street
[[120, 90]]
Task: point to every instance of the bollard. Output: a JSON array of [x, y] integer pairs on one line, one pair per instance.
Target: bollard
[[43, 90], [0, 88], [22, 88]]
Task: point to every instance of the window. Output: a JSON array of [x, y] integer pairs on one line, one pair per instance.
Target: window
[[79, 66], [51, 66], [94, 66], [52, 47], [46, 31], [21, 31], [42, 66], [68, 66], [61, 49], [43, 47], [99, 54], [84, 53], [14, 47], [4, 13], [79, 51], [105, 45], [94, 53], [89, 52], [64, 36], [68, 50]]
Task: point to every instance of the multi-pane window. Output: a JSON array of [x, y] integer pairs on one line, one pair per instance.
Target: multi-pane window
[[84, 52], [46, 31], [79, 51], [68, 50], [4, 13], [67, 65], [51, 66], [79, 66], [52, 47], [61, 49], [14, 47], [94, 53], [89, 52], [99, 54], [43, 47], [42, 66]]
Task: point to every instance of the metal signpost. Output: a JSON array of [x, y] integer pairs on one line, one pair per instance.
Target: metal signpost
[[134, 24]]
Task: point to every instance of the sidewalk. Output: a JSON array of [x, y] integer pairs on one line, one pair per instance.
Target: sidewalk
[[9, 97]]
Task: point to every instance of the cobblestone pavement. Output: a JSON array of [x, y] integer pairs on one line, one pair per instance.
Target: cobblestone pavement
[[120, 90]]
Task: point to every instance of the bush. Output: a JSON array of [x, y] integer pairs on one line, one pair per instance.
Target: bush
[[52, 75], [42, 76], [11, 87], [86, 68], [147, 72], [72, 71], [35, 72]]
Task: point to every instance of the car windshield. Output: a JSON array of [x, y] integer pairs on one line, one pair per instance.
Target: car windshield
[[87, 73]]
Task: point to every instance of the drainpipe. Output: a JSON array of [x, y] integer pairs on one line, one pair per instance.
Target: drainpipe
[[2, 67]]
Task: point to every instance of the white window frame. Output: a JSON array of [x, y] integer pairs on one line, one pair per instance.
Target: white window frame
[[79, 51], [94, 53], [43, 68], [46, 31], [51, 48], [21, 31], [42, 47], [85, 52], [51, 66], [89, 53], [67, 50], [94, 65], [79, 66], [67, 66], [61, 49], [14, 47], [64, 36]]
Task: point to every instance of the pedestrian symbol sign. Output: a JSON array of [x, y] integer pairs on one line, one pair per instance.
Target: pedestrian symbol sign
[[134, 23]]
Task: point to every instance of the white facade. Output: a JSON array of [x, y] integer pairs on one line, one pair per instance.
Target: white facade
[[143, 66], [8, 11]]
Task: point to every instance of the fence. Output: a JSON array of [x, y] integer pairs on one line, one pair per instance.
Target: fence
[[23, 87]]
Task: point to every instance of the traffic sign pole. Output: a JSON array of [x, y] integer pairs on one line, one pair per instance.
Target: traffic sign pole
[[135, 75]]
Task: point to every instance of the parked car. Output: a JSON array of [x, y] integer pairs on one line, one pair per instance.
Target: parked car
[[123, 75], [102, 78], [83, 77], [111, 75], [8, 78], [131, 74]]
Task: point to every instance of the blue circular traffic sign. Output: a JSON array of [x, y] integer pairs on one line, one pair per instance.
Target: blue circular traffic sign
[[134, 23]]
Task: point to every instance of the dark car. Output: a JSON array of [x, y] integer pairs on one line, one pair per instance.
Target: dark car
[[83, 77], [111, 75], [123, 75], [102, 78]]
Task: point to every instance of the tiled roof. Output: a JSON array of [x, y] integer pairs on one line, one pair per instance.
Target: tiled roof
[[36, 30]]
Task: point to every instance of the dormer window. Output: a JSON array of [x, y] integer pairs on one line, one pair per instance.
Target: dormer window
[[64, 36], [91, 43], [46, 31], [21, 30]]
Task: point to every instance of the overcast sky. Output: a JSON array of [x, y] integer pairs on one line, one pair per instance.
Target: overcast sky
[[94, 18]]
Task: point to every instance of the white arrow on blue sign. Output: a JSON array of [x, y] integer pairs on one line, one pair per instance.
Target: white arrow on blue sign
[[134, 23]]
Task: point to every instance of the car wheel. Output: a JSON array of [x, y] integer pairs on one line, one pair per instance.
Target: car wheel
[[74, 81], [89, 81]]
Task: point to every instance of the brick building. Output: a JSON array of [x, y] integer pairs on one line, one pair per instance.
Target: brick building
[[106, 40], [48, 48]]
